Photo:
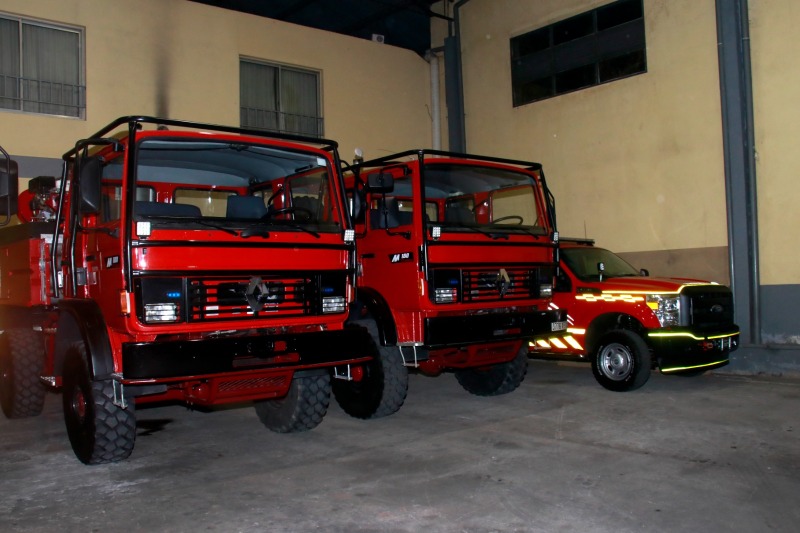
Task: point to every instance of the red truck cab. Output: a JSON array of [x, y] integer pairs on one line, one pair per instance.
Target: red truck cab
[[179, 262], [626, 322], [456, 263]]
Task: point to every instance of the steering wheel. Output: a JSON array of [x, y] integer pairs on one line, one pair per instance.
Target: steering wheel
[[518, 218]]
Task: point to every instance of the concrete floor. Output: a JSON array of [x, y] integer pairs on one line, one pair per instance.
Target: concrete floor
[[711, 453]]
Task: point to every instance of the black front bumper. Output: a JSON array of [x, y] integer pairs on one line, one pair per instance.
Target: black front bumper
[[685, 350], [219, 355], [490, 327]]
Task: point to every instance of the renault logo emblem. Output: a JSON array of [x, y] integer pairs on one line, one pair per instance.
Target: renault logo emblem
[[503, 282]]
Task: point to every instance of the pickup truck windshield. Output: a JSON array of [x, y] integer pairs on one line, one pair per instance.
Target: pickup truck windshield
[[584, 263]]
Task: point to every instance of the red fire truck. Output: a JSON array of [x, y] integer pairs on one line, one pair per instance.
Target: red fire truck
[[456, 263], [182, 262], [626, 322]]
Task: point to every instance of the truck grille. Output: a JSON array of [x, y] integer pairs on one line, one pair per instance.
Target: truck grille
[[230, 298], [497, 284], [709, 305]]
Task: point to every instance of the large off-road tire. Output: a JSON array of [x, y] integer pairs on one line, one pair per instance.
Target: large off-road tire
[[303, 407], [498, 379], [99, 431], [382, 389], [21, 360], [621, 361]]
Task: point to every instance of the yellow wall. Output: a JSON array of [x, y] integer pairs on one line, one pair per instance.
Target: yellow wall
[[637, 163], [776, 78], [181, 59]]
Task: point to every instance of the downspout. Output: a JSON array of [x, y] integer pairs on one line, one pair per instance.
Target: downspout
[[436, 108], [455, 85], [736, 92]]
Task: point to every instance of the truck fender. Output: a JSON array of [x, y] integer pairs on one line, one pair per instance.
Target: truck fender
[[82, 320], [607, 322], [379, 310]]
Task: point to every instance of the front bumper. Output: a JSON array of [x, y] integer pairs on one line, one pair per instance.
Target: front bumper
[[185, 359], [491, 327], [685, 350]]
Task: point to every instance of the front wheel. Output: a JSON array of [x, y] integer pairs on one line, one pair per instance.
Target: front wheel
[[621, 361], [99, 430], [381, 390], [21, 358], [303, 407], [501, 378]]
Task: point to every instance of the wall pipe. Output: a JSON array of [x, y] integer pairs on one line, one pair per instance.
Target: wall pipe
[[736, 92]]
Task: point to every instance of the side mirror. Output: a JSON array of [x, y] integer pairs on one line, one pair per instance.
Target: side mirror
[[9, 186], [91, 171], [644, 272], [380, 182], [601, 268], [358, 204]]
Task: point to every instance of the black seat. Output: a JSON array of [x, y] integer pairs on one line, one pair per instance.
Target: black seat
[[156, 209], [307, 208], [460, 214], [249, 207]]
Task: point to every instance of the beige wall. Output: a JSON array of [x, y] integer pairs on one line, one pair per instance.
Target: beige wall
[[635, 164], [776, 78], [181, 59]]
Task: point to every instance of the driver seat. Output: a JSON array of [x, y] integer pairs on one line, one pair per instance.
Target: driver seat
[[249, 207]]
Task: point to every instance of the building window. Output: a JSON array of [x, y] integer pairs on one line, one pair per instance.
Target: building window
[[599, 46], [279, 98], [41, 68]]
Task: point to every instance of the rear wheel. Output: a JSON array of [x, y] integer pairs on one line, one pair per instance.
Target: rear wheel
[[498, 379], [382, 389], [21, 358], [99, 431], [621, 361], [303, 407]]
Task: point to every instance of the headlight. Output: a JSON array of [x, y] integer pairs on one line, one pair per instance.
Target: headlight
[[332, 289], [446, 286], [160, 300], [666, 308]]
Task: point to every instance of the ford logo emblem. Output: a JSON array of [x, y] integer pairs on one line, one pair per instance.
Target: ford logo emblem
[[716, 308]]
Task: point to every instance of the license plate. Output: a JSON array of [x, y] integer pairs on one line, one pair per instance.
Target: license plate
[[558, 326]]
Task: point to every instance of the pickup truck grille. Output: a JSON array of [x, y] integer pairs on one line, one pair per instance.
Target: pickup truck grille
[[709, 305]]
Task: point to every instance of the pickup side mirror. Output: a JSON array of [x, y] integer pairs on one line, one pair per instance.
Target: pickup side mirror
[[644, 272], [9, 186], [380, 182], [91, 171]]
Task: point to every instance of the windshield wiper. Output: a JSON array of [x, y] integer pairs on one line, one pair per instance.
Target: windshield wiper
[[172, 218], [493, 236], [293, 225]]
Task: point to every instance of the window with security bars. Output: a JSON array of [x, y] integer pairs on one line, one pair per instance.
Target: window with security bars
[[598, 46], [280, 99], [41, 68]]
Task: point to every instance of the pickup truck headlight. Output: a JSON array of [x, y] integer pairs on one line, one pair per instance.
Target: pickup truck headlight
[[666, 307]]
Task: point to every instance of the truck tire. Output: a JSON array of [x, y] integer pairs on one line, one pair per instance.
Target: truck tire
[[621, 361], [21, 359], [99, 431], [303, 407], [382, 389], [498, 379]]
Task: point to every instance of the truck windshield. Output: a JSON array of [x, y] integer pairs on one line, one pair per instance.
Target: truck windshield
[[225, 184], [469, 197], [584, 263]]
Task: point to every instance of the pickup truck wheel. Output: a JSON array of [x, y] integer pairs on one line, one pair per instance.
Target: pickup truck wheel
[[621, 361], [498, 379], [21, 358], [99, 431], [383, 388], [303, 407]]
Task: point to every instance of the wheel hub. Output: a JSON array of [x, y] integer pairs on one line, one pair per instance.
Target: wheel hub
[[616, 361]]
